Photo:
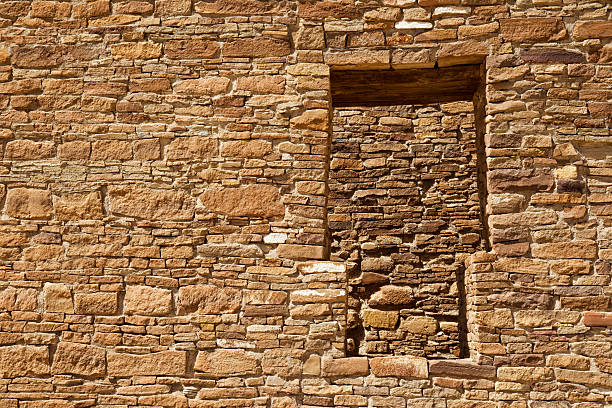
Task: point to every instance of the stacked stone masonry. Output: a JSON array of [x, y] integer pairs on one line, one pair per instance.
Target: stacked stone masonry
[[404, 213], [165, 239]]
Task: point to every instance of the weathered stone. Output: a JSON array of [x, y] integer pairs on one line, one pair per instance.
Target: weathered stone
[[79, 359], [503, 181], [18, 299], [249, 149], [162, 363], [134, 7], [318, 296], [108, 150], [463, 52], [592, 29], [256, 47], [344, 367], [284, 363], [461, 368], [561, 250], [226, 363], [78, 206], [555, 55], [240, 7], [24, 361], [524, 375], [145, 300], [28, 203], [495, 75], [203, 86], [380, 318], [597, 319], [206, 299], [96, 303], [191, 148], [390, 295], [230, 250], [420, 325], [520, 300], [359, 59], [141, 202], [409, 59], [187, 49], [321, 10], [250, 201], [166, 8], [532, 29], [399, 366], [139, 50], [310, 311], [20, 87], [315, 119], [499, 318], [58, 298], [29, 150], [47, 56]]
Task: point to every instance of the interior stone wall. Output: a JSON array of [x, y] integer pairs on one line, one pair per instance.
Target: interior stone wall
[[404, 213], [164, 179]]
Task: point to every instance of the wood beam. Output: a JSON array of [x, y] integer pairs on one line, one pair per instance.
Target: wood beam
[[404, 87]]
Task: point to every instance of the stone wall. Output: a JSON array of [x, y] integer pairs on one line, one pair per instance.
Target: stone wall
[[164, 192], [404, 213]]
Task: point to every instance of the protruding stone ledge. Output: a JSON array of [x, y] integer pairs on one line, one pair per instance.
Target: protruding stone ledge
[[399, 366], [461, 368], [597, 319]]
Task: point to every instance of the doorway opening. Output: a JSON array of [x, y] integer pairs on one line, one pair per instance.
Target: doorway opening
[[406, 205]]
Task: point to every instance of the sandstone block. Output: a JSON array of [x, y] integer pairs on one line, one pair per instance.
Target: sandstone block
[[265, 297], [188, 49], [92, 9], [134, 7], [251, 149], [462, 52], [420, 325], [136, 50], [107, 150], [532, 29], [96, 303], [147, 149], [359, 59], [597, 319], [318, 296], [380, 318], [13, 239], [390, 295], [203, 86], [399, 366], [568, 361], [554, 55], [23, 361], [78, 206], [58, 298], [262, 84], [230, 250], [310, 311], [284, 363], [226, 363], [250, 201], [206, 299], [29, 150], [191, 148], [461, 368], [592, 29], [322, 10], [79, 359], [500, 318], [50, 9], [240, 7], [166, 8], [560, 250], [28, 203], [150, 85], [511, 180], [18, 299], [524, 374], [146, 300], [349, 366], [141, 202], [256, 47], [77, 150], [20, 87], [409, 59], [314, 119], [162, 363]]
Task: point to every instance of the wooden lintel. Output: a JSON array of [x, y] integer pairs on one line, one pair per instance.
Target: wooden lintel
[[404, 87]]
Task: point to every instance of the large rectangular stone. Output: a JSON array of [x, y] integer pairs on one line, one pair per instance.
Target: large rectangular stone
[[162, 363]]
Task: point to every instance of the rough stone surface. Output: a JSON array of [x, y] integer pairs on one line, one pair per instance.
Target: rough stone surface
[[147, 203], [58, 298], [250, 201], [79, 206], [226, 363], [208, 299], [24, 361], [79, 359], [162, 363], [399, 366], [145, 300], [28, 203]]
